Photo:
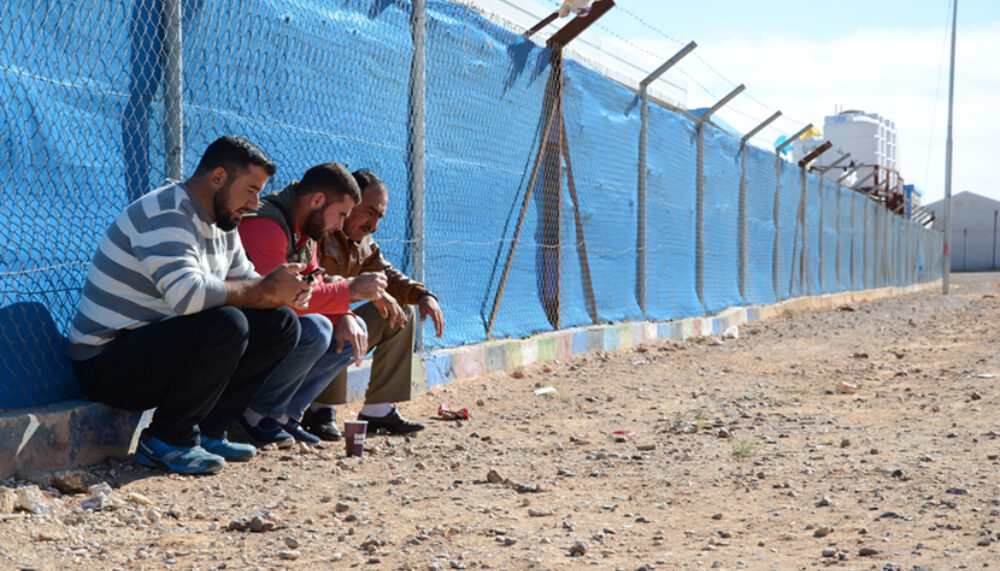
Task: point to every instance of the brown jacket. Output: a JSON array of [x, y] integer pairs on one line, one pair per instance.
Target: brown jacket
[[341, 256]]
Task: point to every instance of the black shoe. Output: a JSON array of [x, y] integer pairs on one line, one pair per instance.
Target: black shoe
[[393, 423], [298, 433], [322, 423]]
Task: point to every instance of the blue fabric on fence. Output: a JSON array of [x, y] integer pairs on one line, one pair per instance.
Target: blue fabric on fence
[[600, 116], [721, 221], [670, 236], [789, 231], [813, 232], [762, 182], [477, 177]]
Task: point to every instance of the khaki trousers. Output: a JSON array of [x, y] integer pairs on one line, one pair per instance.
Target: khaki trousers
[[392, 360]]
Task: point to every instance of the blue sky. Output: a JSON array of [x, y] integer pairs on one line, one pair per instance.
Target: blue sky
[[805, 59]]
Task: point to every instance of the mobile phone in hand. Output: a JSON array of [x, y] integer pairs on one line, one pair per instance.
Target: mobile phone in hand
[[311, 276]]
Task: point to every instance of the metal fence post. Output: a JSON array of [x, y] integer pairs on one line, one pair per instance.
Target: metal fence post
[[418, 29], [744, 253], [640, 268], [173, 89]]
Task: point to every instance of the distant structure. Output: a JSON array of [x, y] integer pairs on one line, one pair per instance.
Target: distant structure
[[974, 239], [871, 168]]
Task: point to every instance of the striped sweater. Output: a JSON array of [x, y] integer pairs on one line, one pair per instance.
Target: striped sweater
[[162, 257]]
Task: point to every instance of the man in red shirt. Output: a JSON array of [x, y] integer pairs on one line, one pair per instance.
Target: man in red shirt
[[286, 228]]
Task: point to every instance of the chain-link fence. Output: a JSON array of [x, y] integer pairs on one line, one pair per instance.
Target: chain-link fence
[[513, 172]]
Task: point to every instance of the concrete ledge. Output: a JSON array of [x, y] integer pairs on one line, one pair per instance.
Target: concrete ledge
[[74, 433]]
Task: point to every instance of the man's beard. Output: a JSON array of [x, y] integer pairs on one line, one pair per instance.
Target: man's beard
[[225, 218], [314, 226]]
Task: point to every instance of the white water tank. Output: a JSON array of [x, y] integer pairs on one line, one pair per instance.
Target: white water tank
[[869, 137]]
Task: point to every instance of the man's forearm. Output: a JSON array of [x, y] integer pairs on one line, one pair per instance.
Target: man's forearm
[[243, 293]]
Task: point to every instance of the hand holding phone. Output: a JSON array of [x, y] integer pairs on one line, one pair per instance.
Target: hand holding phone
[[311, 276]]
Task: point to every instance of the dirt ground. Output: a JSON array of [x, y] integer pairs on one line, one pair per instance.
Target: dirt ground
[[746, 454]]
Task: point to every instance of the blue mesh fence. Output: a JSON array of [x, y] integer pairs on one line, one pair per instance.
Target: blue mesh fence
[[830, 254], [84, 94], [762, 184], [813, 233], [720, 287], [671, 253]]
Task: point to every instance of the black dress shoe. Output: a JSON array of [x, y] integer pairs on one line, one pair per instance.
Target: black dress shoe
[[322, 423], [392, 423]]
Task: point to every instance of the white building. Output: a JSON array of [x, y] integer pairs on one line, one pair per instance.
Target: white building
[[974, 224], [870, 139]]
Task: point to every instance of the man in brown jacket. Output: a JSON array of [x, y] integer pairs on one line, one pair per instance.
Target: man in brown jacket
[[349, 253]]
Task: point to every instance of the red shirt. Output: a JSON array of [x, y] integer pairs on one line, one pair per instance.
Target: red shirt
[[266, 245]]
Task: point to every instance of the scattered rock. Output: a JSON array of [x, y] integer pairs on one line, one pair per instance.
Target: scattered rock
[[8, 500], [822, 531], [578, 549], [258, 523], [868, 551], [824, 502], [494, 477], [829, 552], [539, 512], [31, 500], [288, 555], [74, 481], [957, 491], [292, 542]]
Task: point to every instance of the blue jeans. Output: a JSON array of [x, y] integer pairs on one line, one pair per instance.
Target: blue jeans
[[307, 370]]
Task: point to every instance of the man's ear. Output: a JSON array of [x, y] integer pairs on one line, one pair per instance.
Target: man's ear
[[317, 201], [218, 177]]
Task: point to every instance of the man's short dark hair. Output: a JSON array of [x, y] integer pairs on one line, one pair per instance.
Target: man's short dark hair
[[233, 154], [366, 178], [332, 179]]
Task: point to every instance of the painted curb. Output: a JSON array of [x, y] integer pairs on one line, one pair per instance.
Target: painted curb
[[75, 433]]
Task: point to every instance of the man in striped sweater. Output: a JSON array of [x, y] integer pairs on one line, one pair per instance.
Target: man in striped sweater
[[173, 315]]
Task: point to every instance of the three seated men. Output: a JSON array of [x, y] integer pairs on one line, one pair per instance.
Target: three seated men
[[177, 315]]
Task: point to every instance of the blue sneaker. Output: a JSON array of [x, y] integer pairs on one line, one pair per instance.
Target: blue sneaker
[[298, 433], [267, 431], [156, 453], [231, 451]]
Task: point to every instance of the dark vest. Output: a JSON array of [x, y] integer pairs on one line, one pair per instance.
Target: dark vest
[[280, 207]]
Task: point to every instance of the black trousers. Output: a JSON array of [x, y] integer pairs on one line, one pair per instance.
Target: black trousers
[[199, 371]]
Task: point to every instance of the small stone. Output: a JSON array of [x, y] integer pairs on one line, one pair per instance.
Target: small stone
[[74, 481], [578, 549], [292, 542], [140, 499], [822, 531], [341, 507], [8, 500], [829, 552], [494, 477], [646, 446], [153, 515], [31, 500], [926, 458], [539, 512], [868, 551], [717, 516], [724, 433], [824, 501], [957, 491], [288, 555], [480, 402]]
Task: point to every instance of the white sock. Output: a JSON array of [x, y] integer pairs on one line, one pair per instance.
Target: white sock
[[376, 410], [252, 416], [318, 406], [283, 419]]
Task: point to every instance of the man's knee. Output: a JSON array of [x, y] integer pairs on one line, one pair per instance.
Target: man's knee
[[317, 331], [280, 327], [230, 328]]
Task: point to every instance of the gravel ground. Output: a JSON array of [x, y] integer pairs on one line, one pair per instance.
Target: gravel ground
[[747, 453]]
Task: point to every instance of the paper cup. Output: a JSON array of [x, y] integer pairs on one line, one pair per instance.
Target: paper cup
[[354, 436]]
